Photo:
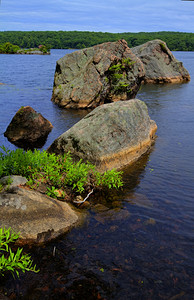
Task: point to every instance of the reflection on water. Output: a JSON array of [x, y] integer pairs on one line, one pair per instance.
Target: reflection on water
[[136, 243]]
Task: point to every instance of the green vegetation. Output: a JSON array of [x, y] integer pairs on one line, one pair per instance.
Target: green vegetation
[[162, 45], [117, 76], [176, 41], [11, 261], [8, 48], [58, 173], [44, 49]]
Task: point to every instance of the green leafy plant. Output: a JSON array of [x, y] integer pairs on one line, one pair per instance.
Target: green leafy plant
[[52, 192], [110, 179], [13, 261], [127, 62], [115, 68], [56, 172], [117, 76]]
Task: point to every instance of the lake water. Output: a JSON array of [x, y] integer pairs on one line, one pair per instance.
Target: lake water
[[138, 242]]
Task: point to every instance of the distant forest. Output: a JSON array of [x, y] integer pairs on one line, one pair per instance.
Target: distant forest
[[176, 41]]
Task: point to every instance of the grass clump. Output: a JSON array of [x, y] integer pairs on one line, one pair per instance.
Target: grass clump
[[56, 172], [11, 261]]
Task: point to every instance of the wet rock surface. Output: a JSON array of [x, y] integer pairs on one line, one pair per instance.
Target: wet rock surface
[[111, 136], [160, 64], [101, 74], [28, 129]]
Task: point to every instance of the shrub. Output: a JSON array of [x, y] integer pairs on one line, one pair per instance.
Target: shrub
[[110, 179], [55, 171]]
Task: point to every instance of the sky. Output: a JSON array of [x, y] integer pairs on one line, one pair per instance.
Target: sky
[[97, 15]]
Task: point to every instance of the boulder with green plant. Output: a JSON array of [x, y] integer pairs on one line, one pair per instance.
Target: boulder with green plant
[[93, 76], [111, 136], [33, 208]]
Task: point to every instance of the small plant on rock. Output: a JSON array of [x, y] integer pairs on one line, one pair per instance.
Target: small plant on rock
[[117, 75], [55, 171]]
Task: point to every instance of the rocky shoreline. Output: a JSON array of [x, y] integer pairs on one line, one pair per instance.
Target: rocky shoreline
[[116, 133]]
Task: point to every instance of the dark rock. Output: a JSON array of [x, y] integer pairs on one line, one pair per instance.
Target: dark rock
[[111, 136], [28, 129], [101, 74], [139, 200], [85, 205], [112, 215], [160, 64], [37, 217]]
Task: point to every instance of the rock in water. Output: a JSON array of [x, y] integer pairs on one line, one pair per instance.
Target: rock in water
[[101, 74], [111, 136], [37, 217], [28, 129], [160, 64]]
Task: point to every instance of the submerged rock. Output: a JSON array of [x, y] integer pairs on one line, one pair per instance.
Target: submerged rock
[[111, 136], [139, 200], [28, 129], [112, 215], [160, 64], [37, 217], [101, 74]]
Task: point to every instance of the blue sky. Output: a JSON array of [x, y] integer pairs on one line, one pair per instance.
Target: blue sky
[[97, 15]]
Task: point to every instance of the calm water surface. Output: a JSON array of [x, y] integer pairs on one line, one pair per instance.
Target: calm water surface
[[137, 243]]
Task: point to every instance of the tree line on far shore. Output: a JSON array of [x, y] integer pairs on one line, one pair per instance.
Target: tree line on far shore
[[176, 41]]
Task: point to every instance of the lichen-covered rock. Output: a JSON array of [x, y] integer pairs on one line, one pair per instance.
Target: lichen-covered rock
[[101, 74], [28, 129], [37, 217], [111, 136], [160, 64]]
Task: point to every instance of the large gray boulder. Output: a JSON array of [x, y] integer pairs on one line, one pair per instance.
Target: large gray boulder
[[101, 74], [36, 216], [160, 64], [111, 136]]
